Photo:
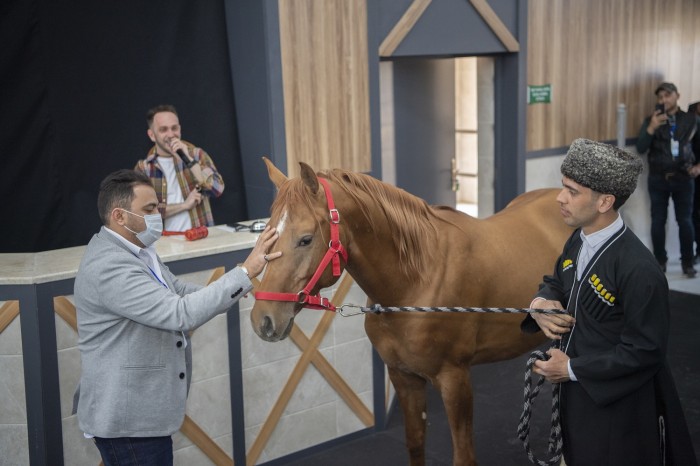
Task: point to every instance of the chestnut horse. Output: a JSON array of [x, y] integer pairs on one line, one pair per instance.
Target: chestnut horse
[[403, 252]]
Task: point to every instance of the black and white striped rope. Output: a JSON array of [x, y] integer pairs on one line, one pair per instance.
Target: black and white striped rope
[[378, 309], [555, 438]]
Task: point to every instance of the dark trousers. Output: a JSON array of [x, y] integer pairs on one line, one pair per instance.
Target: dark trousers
[[681, 189], [696, 215], [136, 451]]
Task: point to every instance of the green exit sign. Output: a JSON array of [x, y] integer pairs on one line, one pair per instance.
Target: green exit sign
[[539, 94]]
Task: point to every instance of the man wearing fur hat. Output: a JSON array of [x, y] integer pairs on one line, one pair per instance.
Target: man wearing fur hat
[[618, 400], [667, 136]]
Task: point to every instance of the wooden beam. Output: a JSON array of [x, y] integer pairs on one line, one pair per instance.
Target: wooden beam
[[200, 438], [343, 289], [335, 380], [8, 312], [66, 311], [289, 388], [403, 27], [216, 274], [311, 355], [496, 25]]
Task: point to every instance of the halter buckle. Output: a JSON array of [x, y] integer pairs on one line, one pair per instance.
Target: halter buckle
[[325, 303], [334, 215]]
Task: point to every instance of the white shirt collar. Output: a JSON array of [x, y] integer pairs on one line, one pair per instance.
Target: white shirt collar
[[595, 239], [147, 255], [150, 250]]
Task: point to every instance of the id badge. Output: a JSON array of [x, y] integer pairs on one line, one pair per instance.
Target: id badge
[[674, 147]]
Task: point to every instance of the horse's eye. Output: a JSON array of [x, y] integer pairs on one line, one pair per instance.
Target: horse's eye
[[305, 241]]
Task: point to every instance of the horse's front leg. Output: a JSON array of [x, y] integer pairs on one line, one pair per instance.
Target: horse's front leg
[[455, 388], [410, 389]]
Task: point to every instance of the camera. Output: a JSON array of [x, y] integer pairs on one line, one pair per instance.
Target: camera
[[660, 108]]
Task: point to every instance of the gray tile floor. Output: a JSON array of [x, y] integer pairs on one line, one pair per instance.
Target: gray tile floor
[[679, 282]]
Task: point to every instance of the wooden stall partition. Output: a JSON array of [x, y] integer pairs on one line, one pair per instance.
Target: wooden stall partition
[[326, 84], [311, 355], [599, 53]]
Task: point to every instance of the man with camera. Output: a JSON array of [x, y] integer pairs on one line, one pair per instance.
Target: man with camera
[[667, 135], [694, 109]]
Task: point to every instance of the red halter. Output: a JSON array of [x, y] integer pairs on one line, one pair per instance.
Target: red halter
[[335, 248]]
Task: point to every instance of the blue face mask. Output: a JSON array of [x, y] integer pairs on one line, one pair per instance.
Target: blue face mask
[[153, 231]]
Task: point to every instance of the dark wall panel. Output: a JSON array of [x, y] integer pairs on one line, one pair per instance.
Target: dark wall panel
[[424, 114], [257, 73], [77, 79]]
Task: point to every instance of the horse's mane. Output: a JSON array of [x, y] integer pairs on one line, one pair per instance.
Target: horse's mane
[[410, 218]]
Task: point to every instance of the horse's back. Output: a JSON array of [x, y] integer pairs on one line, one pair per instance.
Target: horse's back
[[536, 195], [540, 201], [533, 228], [507, 253], [532, 214]]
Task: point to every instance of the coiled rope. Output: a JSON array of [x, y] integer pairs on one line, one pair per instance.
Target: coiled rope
[[555, 437]]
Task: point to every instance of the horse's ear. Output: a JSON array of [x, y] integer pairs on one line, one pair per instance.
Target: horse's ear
[[276, 176], [309, 177]]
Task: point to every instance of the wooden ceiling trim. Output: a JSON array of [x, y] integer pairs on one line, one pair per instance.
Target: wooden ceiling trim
[[403, 27], [496, 25]]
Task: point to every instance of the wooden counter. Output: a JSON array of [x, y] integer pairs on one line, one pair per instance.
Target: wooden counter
[[61, 264]]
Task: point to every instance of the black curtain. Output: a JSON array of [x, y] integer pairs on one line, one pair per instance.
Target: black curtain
[[76, 80]]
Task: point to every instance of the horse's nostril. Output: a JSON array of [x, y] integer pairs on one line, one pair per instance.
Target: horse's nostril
[[266, 327]]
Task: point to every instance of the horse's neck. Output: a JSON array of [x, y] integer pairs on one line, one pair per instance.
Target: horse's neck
[[374, 275], [373, 257], [375, 261]]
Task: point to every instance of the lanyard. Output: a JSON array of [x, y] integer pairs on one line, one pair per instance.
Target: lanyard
[[672, 121], [156, 276]]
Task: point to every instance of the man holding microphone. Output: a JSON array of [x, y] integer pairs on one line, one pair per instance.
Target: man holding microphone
[[184, 176]]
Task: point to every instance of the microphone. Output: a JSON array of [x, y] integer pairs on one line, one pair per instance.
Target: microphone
[[185, 158]]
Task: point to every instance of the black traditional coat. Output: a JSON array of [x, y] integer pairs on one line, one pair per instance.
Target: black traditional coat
[[624, 408]]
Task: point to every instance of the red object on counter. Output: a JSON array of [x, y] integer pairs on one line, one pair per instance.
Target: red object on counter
[[191, 235]]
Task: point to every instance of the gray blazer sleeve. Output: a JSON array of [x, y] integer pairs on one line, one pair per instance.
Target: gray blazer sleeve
[[116, 280]]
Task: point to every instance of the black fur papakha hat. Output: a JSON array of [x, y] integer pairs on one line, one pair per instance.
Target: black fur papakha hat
[[602, 167]]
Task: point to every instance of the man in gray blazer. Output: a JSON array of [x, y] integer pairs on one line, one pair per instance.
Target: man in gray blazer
[[133, 315]]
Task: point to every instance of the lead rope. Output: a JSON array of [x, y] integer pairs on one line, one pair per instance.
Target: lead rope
[[555, 438], [379, 309]]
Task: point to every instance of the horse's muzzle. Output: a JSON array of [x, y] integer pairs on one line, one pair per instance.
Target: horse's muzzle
[[268, 331]]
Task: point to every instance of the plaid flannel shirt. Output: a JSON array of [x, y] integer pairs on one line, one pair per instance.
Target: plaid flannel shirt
[[201, 214]]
